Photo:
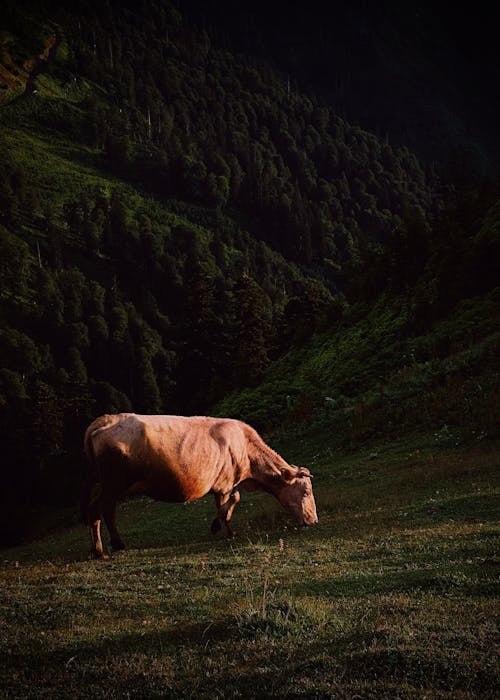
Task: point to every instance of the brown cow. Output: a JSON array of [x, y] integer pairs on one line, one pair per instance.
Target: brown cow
[[180, 459]]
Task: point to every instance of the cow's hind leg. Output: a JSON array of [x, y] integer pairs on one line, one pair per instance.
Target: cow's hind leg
[[94, 517], [109, 513], [225, 504]]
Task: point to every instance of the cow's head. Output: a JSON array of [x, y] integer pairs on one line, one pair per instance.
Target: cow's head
[[296, 495]]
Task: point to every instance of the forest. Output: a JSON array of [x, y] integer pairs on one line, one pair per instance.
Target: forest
[[183, 229]]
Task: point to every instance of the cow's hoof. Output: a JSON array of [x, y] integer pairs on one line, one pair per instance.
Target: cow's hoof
[[98, 556], [215, 527]]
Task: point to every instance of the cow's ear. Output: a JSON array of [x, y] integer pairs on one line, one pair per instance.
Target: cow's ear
[[302, 472], [288, 472]]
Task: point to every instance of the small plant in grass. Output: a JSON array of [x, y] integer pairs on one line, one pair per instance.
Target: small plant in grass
[[266, 610]]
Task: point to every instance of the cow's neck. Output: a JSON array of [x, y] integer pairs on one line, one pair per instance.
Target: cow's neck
[[266, 467]]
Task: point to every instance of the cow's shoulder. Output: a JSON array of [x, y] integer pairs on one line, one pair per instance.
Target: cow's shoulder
[[226, 431]]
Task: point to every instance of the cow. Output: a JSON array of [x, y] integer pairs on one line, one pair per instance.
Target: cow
[[178, 459]]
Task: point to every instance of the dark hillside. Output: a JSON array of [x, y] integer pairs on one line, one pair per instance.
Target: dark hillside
[[176, 215], [422, 73]]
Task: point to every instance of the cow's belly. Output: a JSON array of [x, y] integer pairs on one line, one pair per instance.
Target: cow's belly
[[171, 488], [177, 468]]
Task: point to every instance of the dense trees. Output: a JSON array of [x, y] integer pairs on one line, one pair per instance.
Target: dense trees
[[208, 126], [210, 219]]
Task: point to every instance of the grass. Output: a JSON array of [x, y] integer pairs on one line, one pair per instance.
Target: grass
[[392, 595]]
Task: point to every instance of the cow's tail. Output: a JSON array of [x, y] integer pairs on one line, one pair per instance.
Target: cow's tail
[[91, 472], [90, 476]]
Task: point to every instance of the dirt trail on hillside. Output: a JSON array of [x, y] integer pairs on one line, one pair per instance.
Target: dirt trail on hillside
[[29, 70]]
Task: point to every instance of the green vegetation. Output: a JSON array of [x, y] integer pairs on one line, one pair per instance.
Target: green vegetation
[[177, 226], [171, 220], [371, 377], [391, 595]]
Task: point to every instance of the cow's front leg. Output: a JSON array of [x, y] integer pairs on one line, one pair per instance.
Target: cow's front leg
[[225, 504]]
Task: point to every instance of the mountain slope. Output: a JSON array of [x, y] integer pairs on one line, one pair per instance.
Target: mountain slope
[[173, 217], [373, 377], [422, 73]]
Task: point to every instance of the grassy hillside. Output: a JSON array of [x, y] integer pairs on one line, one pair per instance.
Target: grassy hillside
[[170, 212], [375, 376], [391, 595]]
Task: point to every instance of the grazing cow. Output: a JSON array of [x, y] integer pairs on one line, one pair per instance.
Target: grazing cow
[[179, 459]]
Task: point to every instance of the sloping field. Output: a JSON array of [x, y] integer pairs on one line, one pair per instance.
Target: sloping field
[[391, 595]]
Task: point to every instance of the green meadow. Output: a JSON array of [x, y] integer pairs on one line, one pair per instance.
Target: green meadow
[[391, 595]]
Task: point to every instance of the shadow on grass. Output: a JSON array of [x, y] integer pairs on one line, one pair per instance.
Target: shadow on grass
[[472, 580], [288, 666], [98, 661], [424, 668], [468, 508]]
